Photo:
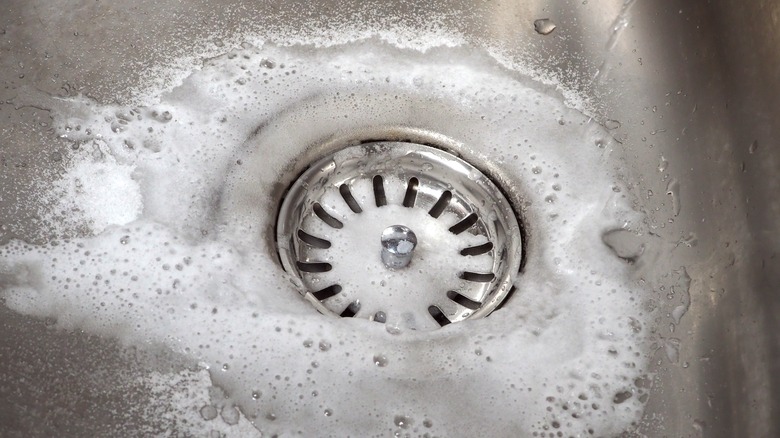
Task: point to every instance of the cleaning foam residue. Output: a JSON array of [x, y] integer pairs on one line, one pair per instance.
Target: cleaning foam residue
[[168, 256]]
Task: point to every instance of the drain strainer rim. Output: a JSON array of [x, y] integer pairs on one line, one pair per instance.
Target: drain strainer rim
[[476, 200]]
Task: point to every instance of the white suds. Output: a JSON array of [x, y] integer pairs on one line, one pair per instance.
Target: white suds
[[179, 203]]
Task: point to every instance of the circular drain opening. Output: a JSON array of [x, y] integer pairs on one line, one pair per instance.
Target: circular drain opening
[[400, 233]]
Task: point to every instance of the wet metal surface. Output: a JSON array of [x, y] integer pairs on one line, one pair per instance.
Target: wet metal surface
[[692, 88]]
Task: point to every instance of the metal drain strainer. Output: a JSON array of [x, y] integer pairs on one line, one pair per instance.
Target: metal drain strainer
[[399, 233]]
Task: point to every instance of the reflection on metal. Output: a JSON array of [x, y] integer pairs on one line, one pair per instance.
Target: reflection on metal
[[398, 243], [442, 198]]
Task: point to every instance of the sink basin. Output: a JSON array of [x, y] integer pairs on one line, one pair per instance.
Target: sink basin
[[687, 95]]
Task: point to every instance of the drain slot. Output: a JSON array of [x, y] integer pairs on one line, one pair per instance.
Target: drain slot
[[476, 277], [352, 203], [463, 300], [326, 217], [411, 193], [379, 191], [391, 261], [314, 242], [477, 250], [314, 267], [441, 204], [438, 316], [351, 310], [330, 291], [465, 224]]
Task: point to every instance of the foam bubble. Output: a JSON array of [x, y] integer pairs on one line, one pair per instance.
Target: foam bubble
[[99, 191], [179, 250]]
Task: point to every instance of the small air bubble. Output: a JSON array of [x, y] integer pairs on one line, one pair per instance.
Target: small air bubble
[[380, 316], [230, 415], [621, 397], [208, 412], [402, 421], [380, 360]]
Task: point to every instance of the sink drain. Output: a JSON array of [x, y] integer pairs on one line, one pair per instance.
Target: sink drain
[[400, 233]]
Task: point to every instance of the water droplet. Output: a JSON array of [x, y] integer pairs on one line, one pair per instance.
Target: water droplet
[[124, 239], [308, 343], [544, 26], [328, 412], [256, 395], [612, 124], [673, 190], [324, 345], [672, 349], [679, 312], [663, 164], [690, 240], [753, 147]]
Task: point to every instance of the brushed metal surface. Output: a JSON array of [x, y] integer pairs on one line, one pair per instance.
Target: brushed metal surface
[[697, 83]]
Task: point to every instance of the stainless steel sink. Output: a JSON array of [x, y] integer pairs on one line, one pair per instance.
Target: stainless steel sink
[[691, 90]]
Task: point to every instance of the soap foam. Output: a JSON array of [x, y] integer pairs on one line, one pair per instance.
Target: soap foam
[[170, 258]]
